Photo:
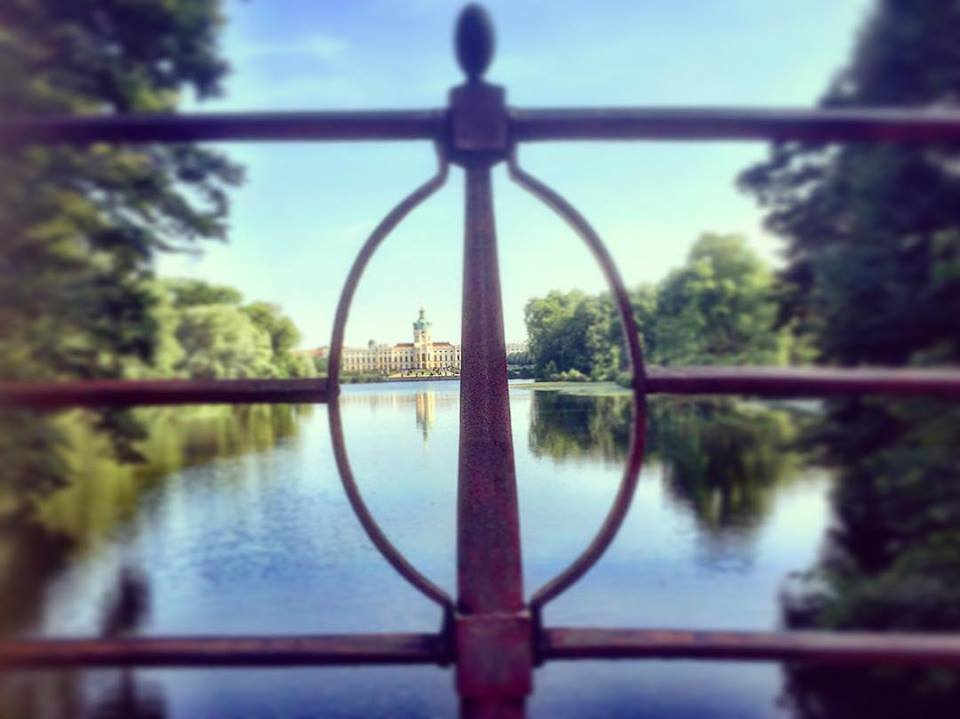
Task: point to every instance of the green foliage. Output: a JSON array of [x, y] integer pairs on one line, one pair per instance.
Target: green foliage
[[284, 336], [873, 243], [558, 327], [102, 494], [719, 308], [724, 459], [207, 332], [191, 293], [221, 342], [80, 227], [721, 459]]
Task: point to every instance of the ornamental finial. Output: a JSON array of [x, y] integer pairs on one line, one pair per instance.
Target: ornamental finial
[[474, 41]]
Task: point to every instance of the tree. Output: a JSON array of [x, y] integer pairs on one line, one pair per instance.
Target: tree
[[873, 277], [191, 293], [871, 229], [222, 342], [553, 336], [208, 332], [80, 227], [284, 336], [719, 308]]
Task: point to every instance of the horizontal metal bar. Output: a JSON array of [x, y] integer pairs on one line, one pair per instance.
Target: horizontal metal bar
[[274, 126], [555, 643], [756, 381], [226, 651], [805, 382], [130, 393], [895, 125], [866, 124], [832, 647]]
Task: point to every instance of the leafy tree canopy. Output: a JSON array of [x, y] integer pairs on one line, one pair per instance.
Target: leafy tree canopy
[[80, 227], [719, 308]]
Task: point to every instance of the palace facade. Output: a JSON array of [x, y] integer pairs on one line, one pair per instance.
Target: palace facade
[[422, 356]]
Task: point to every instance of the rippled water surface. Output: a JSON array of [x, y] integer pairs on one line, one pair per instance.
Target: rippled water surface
[[249, 532]]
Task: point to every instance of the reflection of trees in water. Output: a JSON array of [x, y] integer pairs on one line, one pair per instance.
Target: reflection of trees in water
[[892, 561], [74, 694], [569, 427], [29, 557], [117, 694], [721, 459], [100, 494]]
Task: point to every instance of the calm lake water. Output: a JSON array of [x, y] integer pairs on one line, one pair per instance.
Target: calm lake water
[[247, 530]]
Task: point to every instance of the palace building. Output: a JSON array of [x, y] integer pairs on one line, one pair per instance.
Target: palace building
[[423, 355]]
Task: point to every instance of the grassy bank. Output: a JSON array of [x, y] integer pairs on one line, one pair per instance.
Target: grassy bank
[[594, 389]]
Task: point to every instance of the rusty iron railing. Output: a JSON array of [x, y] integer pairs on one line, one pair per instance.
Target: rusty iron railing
[[491, 632]]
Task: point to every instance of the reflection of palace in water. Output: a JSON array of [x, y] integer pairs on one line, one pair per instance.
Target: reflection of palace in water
[[426, 412], [425, 403]]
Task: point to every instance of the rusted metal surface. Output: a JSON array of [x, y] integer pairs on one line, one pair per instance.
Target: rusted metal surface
[[755, 381], [132, 393], [249, 651], [848, 125], [628, 482], [495, 653], [555, 643], [386, 548], [489, 574], [842, 647], [487, 507], [803, 382], [252, 126], [526, 125], [494, 635]]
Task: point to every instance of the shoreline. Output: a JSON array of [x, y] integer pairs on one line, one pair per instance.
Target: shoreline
[[346, 380]]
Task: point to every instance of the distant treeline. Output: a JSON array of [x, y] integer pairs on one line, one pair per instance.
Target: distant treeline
[[207, 331], [721, 307]]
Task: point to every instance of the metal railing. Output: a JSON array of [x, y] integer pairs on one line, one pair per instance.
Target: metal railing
[[491, 633]]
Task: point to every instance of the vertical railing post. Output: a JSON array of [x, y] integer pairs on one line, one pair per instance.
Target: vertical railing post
[[493, 634], [489, 573]]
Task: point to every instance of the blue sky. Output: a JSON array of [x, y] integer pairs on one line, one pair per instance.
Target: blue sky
[[306, 208]]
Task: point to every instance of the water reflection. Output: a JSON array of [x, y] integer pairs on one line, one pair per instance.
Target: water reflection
[[426, 402], [103, 494], [892, 561], [267, 544], [103, 694], [723, 460], [426, 412], [571, 427]]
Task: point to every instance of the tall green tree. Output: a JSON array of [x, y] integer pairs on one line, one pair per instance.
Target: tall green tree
[[557, 329], [719, 308], [222, 342], [207, 331], [80, 227], [284, 337], [873, 277]]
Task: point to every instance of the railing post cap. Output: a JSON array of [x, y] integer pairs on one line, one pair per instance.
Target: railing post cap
[[474, 41]]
